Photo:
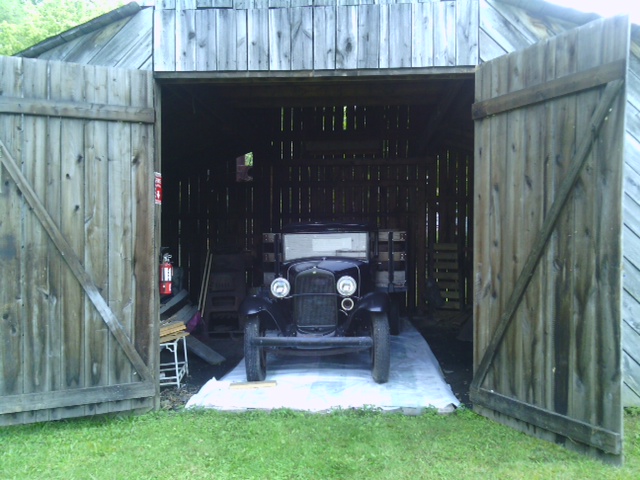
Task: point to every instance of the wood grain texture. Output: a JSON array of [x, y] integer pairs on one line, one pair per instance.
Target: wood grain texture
[[444, 34], [551, 180], [129, 42], [400, 35], [422, 38], [84, 49], [186, 42], [164, 41], [369, 36], [279, 39], [258, 38], [467, 33], [301, 38], [206, 43], [346, 37], [324, 40], [326, 35], [35, 281], [631, 240], [178, 38], [12, 315], [69, 338]]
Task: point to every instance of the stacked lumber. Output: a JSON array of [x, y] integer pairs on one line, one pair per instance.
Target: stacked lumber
[[178, 309], [172, 330], [175, 315]]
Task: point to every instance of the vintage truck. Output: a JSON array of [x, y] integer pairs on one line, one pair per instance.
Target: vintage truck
[[328, 288]]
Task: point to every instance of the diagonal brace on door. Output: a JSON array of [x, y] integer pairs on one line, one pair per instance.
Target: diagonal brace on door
[[72, 260], [577, 163]]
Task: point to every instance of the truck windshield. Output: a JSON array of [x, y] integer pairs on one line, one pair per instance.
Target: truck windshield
[[334, 244]]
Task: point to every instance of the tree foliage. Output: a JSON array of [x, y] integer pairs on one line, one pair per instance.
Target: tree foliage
[[24, 23]]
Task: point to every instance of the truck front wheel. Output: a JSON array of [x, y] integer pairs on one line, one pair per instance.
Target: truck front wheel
[[381, 350], [255, 358]]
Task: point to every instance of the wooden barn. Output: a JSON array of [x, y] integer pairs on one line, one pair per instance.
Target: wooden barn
[[502, 135]]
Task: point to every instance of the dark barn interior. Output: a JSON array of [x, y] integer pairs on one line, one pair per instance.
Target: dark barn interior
[[396, 152]]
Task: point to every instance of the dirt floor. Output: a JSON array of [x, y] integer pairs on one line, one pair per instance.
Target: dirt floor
[[444, 332], [450, 342]]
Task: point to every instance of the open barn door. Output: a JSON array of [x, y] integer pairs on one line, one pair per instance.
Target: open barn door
[[77, 329], [547, 250]]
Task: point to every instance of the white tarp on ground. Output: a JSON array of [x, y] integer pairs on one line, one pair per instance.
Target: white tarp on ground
[[323, 383]]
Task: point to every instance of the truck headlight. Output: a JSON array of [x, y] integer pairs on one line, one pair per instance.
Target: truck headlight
[[346, 286], [280, 287]]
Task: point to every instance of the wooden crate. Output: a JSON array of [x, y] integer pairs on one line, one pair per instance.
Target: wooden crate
[[448, 274]]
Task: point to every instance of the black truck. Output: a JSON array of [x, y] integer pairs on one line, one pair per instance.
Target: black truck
[[329, 288]]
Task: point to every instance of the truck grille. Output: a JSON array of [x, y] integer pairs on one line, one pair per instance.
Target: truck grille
[[312, 310]]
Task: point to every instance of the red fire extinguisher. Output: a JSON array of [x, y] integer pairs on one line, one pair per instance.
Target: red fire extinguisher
[[166, 274]]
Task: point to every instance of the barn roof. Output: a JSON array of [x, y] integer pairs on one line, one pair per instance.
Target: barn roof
[[541, 8], [124, 36], [120, 38]]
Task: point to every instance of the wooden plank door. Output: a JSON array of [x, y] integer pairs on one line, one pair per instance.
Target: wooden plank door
[[78, 292], [547, 249]]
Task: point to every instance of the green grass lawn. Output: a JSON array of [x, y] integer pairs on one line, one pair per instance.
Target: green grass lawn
[[285, 444]]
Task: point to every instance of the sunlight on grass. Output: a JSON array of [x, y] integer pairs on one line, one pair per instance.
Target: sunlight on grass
[[287, 444]]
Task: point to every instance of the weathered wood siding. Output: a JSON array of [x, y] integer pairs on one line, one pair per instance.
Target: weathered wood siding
[[77, 330], [124, 43], [548, 228], [631, 241], [280, 35], [505, 28], [311, 35]]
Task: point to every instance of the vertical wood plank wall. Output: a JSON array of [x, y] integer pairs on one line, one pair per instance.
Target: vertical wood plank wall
[[572, 302], [94, 177], [334, 164], [505, 28], [222, 35], [631, 241], [312, 35]]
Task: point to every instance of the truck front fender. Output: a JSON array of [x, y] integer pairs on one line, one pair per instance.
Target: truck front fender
[[372, 302], [261, 303]]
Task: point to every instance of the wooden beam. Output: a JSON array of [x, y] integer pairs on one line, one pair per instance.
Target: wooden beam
[[362, 161], [74, 263], [585, 433], [439, 73], [203, 351], [88, 111], [559, 87], [178, 298], [564, 191], [27, 402]]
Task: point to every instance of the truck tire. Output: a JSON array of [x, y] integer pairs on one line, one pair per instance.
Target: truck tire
[[381, 350], [255, 358]]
